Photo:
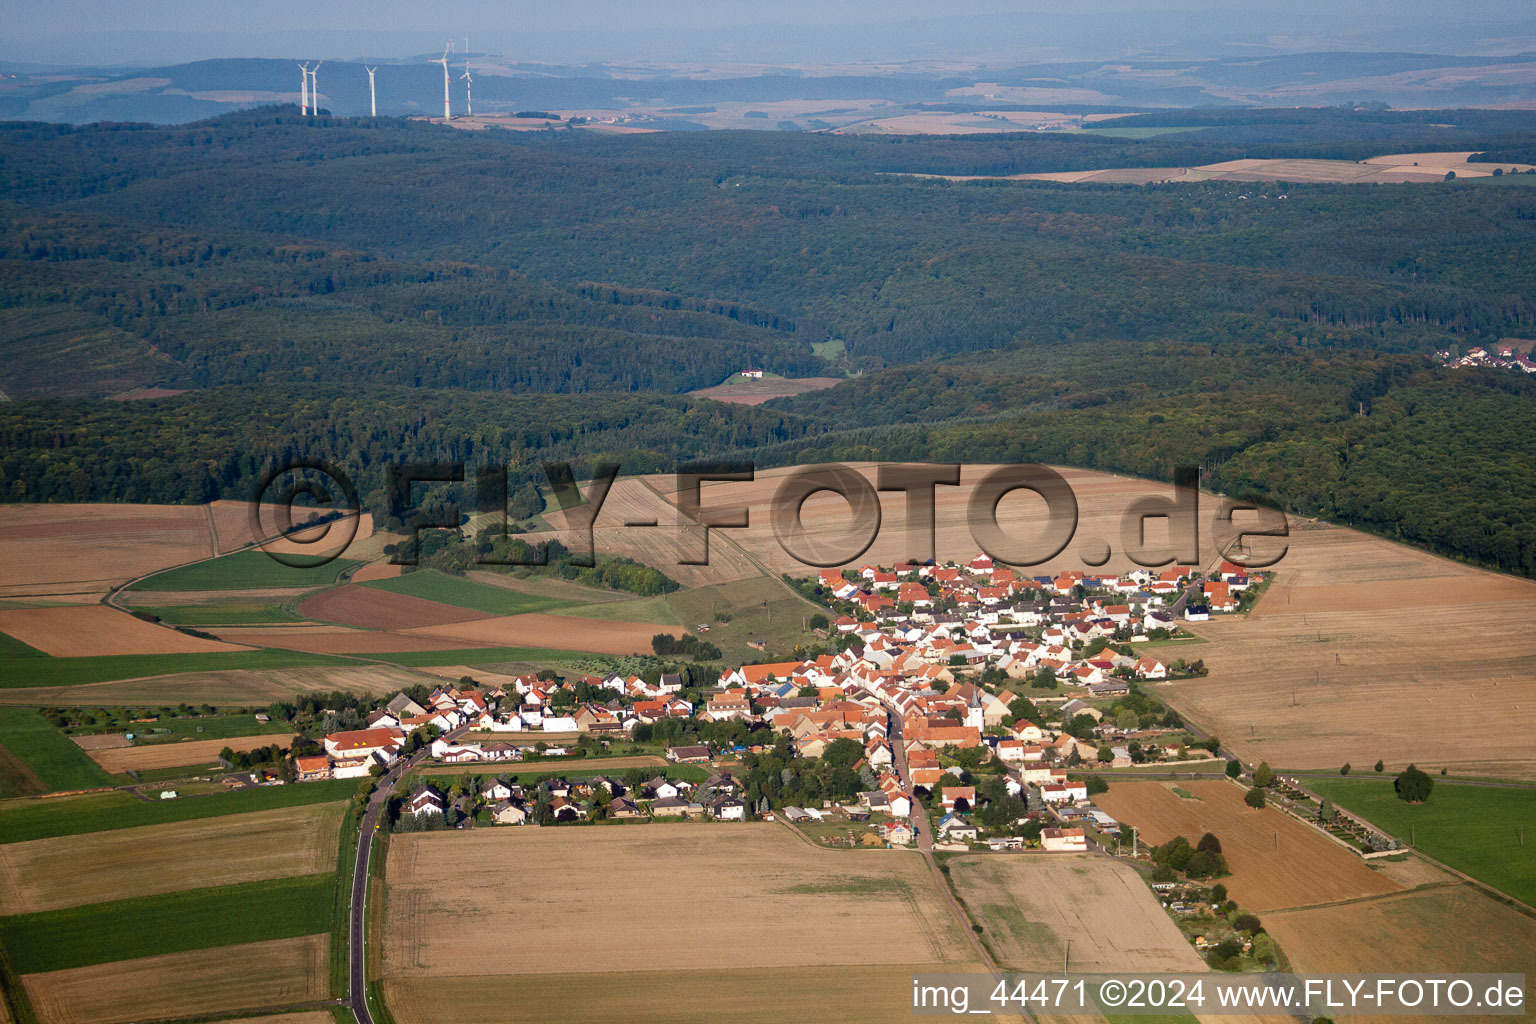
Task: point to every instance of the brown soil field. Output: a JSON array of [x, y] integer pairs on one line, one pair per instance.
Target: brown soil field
[[377, 571], [231, 686], [177, 755], [1358, 651], [69, 871], [1413, 872], [379, 609], [199, 983], [773, 903], [536, 629], [1276, 861], [1446, 928], [90, 547], [107, 741], [338, 640], [855, 994], [756, 392], [93, 630], [1029, 905], [578, 766]]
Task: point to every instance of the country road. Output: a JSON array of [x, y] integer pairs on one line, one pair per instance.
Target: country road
[[357, 945], [924, 831]]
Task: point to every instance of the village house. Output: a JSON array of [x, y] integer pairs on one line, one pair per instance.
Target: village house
[[425, 800], [1064, 840]]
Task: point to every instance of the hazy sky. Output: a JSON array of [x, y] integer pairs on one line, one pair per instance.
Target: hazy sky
[[785, 31]]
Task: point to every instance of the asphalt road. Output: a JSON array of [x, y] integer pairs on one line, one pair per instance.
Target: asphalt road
[[925, 848], [358, 955]]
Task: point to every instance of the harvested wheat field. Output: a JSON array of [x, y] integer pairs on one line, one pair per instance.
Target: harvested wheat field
[[1101, 498], [773, 902], [89, 548], [376, 571], [565, 632], [103, 741], [232, 525], [68, 871], [849, 994], [636, 500], [1029, 906], [93, 630], [199, 983], [1357, 652], [756, 392], [1276, 860], [117, 760], [1440, 929], [1397, 168], [372, 608], [337, 640], [227, 686]]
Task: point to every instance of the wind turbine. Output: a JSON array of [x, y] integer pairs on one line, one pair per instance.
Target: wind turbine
[[303, 88], [469, 89], [314, 89], [373, 103], [443, 60]]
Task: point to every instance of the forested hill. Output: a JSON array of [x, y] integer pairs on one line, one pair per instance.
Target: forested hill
[[365, 290]]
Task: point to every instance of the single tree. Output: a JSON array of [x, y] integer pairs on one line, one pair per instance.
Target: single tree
[[1380, 767], [1209, 842], [1263, 776], [1234, 768], [1413, 785], [1218, 893], [1247, 923], [1326, 811], [1344, 770], [1255, 797], [1105, 754]]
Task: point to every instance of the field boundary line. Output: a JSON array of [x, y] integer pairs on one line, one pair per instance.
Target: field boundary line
[[1381, 897], [249, 1011]]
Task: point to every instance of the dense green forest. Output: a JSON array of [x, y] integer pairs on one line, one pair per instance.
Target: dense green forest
[[378, 292]]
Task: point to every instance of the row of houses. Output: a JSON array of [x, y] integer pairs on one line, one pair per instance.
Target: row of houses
[[508, 803]]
